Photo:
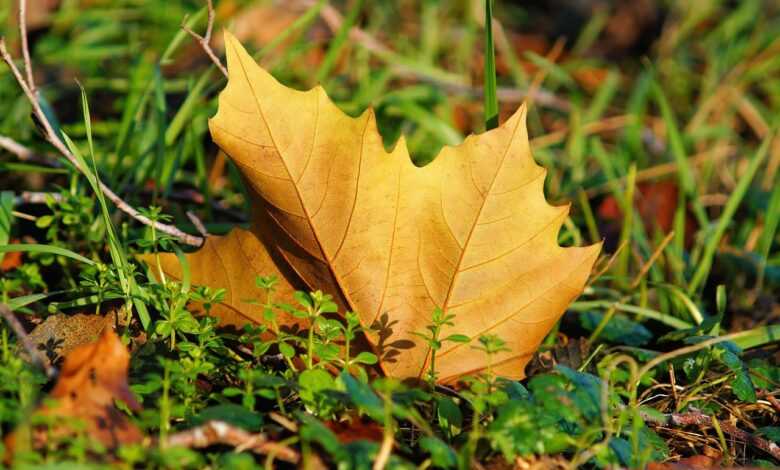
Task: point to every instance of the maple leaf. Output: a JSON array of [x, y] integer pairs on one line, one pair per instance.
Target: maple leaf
[[470, 233], [93, 376]]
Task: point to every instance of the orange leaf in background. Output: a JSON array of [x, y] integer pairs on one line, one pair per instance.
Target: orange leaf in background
[[470, 233], [11, 261], [92, 377], [696, 462], [356, 429], [656, 203], [589, 77]]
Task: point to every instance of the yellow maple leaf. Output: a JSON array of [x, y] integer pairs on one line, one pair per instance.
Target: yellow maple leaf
[[470, 233]]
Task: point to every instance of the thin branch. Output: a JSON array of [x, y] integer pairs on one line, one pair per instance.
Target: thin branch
[[21, 152], [36, 356], [52, 137], [384, 451], [25, 48], [26, 154], [35, 197], [772, 400], [219, 432], [198, 224], [205, 40], [197, 198]]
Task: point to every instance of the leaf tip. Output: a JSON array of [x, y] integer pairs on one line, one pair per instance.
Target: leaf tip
[[233, 51], [229, 37]]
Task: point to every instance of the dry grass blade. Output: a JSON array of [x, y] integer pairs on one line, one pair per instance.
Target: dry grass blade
[[28, 87], [697, 418]]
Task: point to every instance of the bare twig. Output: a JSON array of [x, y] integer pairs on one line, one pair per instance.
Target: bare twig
[[219, 432], [197, 198], [505, 94], [715, 154], [25, 154], [25, 49], [198, 224], [384, 451], [22, 152], [284, 421], [52, 137], [35, 355], [698, 418], [543, 97], [34, 197], [772, 400], [205, 40]]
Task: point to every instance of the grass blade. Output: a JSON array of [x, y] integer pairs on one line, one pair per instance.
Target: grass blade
[[338, 42], [52, 250], [728, 214], [687, 181], [768, 234], [491, 99], [756, 337], [6, 216]]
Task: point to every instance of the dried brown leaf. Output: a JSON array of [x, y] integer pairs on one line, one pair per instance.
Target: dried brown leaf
[[93, 376]]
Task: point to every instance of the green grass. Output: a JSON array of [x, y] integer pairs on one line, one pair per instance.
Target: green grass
[[435, 72]]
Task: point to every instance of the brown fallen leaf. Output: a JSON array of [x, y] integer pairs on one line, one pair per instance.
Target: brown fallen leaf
[[60, 334], [356, 428], [696, 462], [92, 377], [470, 233]]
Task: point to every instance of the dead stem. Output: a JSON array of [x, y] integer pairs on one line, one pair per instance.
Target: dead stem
[[205, 40], [35, 355], [219, 432], [52, 137]]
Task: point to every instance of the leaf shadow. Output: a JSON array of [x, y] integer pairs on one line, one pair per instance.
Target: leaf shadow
[[389, 352]]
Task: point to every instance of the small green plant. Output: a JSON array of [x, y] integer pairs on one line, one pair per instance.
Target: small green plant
[[257, 383], [435, 342], [350, 329], [315, 305]]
